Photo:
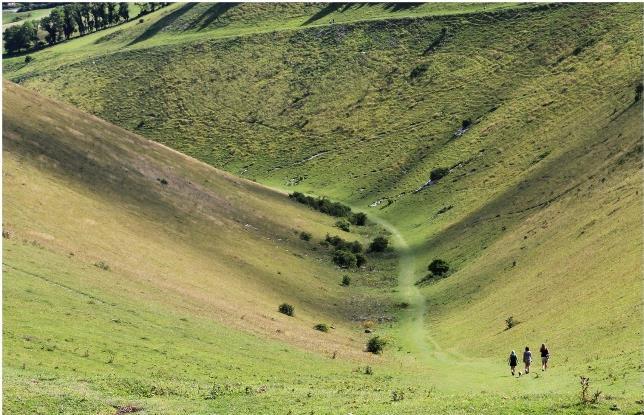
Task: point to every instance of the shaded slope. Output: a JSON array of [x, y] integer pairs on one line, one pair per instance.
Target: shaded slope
[[156, 217]]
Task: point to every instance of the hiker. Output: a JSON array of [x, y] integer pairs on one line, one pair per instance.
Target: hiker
[[527, 359], [545, 355], [513, 359]]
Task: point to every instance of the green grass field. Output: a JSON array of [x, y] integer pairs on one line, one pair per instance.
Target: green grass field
[[540, 216]]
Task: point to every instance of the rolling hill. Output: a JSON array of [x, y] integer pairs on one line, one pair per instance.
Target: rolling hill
[[531, 110]]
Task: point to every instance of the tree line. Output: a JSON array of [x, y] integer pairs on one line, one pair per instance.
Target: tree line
[[63, 21]]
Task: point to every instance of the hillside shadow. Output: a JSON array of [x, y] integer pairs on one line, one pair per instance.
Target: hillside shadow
[[165, 21], [213, 13], [396, 7], [330, 8]]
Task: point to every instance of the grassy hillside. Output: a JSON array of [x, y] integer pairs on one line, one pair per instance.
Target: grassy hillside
[[531, 108]]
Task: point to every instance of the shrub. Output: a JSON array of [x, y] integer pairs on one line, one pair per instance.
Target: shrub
[[638, 91], [355, 247], [342, 245], [344, 225], [379, 244], [358, 219], [438, 267], [368, 370], [360, 260], [28, 58], [438, 173], [346, 280], [305, 236], [418, 70], [376, 344], [397, 395], [328, 207], [510, 322], [321, 327], [287, 309], [344, 259], [102, 265]]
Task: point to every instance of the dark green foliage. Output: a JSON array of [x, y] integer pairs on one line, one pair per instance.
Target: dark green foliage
[[305, 236], [360, 260], [368, 370], [510, 322], [438, 173], [358, 219], [436, 42], [638, 91], [328, 207], [346, 280], [376, 344], [340, 244], [53, 25], [418, 71], [344, 225], [344, 259], [287, 309], [379, 244], [438, 267], [19, 37], [321, 327]]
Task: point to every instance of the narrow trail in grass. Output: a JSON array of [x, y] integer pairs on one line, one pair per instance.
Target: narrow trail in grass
[[413, 335]]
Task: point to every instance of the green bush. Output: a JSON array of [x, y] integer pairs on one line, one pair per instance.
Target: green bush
[[321, 327], [287, 309], [328, 207], [438, 173], [305, 236], [344, 225], [379, 244], [376, 344], [358, 219], [438, 267], [360, 260], [346, 280], [344, 259]]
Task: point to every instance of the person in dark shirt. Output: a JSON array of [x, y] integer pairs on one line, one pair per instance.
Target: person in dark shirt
[[513, 360], [545, 355], [527, 359]]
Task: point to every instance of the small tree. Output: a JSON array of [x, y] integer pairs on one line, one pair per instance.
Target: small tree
[[344, 259], [287, 309], [346, 280], [438, 267], [360, 260], [379, 244], [358, 219], [376, 344], [438, 173]]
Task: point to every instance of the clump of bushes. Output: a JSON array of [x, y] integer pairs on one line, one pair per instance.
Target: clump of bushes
[[379, 244], [328, 207], [346, 280], [376, 345], [438, 267], [321, 327], [438, 173], [287, 309], [305, 236], [344, 225], [345, 259], [342, 245]]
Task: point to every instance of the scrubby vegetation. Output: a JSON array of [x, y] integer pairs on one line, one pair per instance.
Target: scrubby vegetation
[[305, 236], [438, 267], [346, 280], [321, 327], [438, 173], [287, 309], [379, 244], [376, 345], [328, 207]]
